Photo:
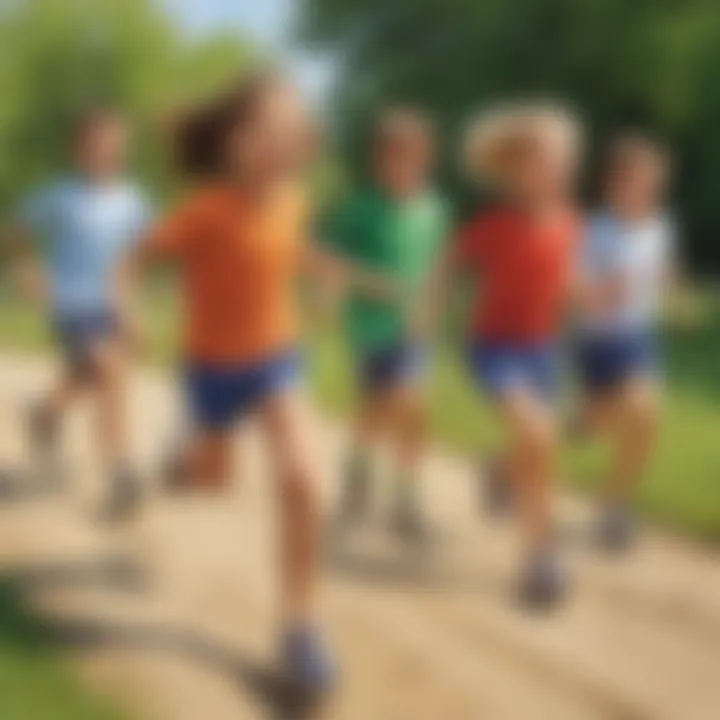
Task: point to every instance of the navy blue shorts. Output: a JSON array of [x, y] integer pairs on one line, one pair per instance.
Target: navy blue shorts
[[390, 367], [78, 333], [502, 367], [221, 395], [606, 361]]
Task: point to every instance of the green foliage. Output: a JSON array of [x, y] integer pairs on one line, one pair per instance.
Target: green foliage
[[34, 685], [648, 63], [59, 56]]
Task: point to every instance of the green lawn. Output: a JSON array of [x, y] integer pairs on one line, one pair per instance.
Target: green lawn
[[34, 684], [683, 488]]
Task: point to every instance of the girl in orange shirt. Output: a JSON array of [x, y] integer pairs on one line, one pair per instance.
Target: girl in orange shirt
[[239, 241]]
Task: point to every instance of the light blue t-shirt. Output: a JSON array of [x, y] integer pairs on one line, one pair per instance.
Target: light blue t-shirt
[[639, 254], [84, 229]]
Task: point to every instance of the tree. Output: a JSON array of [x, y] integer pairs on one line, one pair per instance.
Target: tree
[[647, 63], [58, 56]]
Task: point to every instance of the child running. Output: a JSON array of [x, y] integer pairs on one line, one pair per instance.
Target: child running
[[626, 263], [521, 255], [396, 226], [83, 223], [239, 241]]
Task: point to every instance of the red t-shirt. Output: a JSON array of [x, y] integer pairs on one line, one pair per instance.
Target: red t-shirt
[[523, 267]]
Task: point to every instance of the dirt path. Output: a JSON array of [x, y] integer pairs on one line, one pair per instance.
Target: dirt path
[[173, 614]]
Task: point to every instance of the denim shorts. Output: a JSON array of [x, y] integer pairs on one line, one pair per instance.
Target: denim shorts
[[390, 367], [78, 333], [607, 360], [501, 367], [220, 395]]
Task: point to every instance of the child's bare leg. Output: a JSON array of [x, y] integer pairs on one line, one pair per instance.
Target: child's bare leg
[[286, 421], [410, 432], [637, 409], [370, 421], [109, 377], [285, 418], [532, 456], [205, 463], [47, 415], [532, 429], [109, 380]]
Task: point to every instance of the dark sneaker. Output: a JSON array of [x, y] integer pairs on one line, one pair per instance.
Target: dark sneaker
[[543, 584], [616, 530], [124, 497], [496, 491], [307, 666]]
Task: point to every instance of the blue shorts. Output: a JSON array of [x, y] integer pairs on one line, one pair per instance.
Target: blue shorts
[[390, 367], [502, 367], [221, 395], [77, 334], [606, 361]]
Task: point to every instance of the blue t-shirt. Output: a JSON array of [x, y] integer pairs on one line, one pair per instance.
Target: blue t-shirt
[[84, 229]]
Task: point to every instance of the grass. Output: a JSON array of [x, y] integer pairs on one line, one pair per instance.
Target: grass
[[34, 684], [682, 490]]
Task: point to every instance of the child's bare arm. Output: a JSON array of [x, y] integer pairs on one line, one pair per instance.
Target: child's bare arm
[[426, 313], [26, 264], [128, 280], [344, 274]]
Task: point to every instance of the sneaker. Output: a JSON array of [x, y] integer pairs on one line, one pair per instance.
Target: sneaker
[[307, 665], [616, 530], [124, 497], [497, 496], [543, 584]]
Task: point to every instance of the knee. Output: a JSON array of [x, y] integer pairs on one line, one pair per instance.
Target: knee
[[540, 438], [642, 408], [298, 483]]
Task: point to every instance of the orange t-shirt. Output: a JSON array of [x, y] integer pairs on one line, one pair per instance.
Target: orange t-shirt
[[239, 259], [524, 265]]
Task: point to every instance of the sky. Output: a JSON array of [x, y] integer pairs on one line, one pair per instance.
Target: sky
[[268, 22]]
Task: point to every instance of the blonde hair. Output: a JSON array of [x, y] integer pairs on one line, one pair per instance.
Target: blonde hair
[[496, 137]]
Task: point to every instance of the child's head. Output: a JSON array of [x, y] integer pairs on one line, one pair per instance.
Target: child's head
[[259, 131], [99, 143], [402, 151], [530, 153], [636, 176]]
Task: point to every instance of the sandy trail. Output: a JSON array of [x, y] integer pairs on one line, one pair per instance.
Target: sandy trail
[[174, 614]]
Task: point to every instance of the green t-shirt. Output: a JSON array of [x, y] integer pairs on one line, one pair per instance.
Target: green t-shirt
[[400, 238]]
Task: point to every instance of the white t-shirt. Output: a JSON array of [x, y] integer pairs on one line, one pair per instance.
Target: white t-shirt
[[84, 229], [639, 254]]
